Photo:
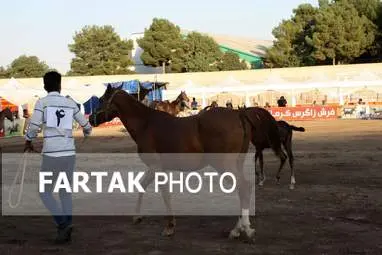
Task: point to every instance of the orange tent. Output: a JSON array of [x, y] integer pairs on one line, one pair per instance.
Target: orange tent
[[5, 103]]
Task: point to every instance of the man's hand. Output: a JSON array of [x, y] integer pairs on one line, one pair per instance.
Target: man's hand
[[87, 132], [28, 146]]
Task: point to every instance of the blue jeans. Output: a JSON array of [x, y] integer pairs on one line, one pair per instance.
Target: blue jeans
[[61, 212]]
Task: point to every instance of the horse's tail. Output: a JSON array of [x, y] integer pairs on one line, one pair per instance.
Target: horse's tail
[[291, 127], [299, 129]]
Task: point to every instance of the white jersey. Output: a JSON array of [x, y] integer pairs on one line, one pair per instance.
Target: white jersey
[[55, 115]]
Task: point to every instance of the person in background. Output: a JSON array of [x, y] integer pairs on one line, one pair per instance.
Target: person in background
[[55, 113], [194, 104], [267, 105], [282, 102], [26, 117], [229, 105]]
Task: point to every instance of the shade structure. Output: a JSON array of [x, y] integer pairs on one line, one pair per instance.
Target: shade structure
[[18, 94]]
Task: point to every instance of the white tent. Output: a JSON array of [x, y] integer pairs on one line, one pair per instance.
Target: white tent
[[18, 94], [83, 92]]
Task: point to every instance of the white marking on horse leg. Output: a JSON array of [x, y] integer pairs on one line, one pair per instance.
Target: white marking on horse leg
[[246, 224], [292, 182], [245, 217], [261, 183]]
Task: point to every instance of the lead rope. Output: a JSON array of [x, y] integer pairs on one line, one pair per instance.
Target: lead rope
[[21, 168]]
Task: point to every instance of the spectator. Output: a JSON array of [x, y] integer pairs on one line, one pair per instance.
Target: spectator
[[194, 104], [267, 105], [229, 105], [282, 102], [26, 116]]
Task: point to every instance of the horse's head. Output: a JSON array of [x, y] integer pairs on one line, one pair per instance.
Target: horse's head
[[107, 110], [183, 97], [8, 114]]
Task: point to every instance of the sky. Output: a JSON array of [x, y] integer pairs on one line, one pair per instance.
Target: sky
[[45, 28]]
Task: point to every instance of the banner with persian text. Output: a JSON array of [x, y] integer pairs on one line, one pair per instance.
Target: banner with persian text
[[305, 113]]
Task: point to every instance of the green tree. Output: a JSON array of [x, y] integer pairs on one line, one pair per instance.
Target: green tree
[[230, 62], [372, 10], [202, 53], [291, 47], [3, 73], [340, 34], [369, 8], [163, 44], [99, 50], [27, 67]]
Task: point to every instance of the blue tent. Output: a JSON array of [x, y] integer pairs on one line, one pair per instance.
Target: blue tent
[[91, 105], [132, 87], [154, 94]]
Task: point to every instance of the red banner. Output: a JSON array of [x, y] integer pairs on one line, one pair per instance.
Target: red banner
[[305, 113]]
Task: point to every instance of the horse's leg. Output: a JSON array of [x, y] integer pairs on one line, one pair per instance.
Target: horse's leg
[[243, 223], [255, 160], [169, 229], [288, 148], [262, 177], [148, 178], [283, 158]]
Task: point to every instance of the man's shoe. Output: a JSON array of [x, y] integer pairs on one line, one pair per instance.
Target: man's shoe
[[64, 234]]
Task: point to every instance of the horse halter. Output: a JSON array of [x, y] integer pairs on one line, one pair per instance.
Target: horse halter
[[106, 109]]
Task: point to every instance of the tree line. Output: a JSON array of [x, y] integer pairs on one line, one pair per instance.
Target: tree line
[[99, 50], [335, 32]]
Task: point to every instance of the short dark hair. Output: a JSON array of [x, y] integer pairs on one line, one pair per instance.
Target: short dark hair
[[52, 81]]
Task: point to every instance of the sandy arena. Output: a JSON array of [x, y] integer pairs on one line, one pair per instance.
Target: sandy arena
[[336, 207]]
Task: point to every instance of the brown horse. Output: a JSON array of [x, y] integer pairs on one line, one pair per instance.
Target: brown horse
[[262, 142], [158, 133], [6, 113], [172, 108], [286, 133]]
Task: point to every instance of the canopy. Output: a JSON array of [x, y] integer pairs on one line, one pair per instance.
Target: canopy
[[82, 92], [18, 94]]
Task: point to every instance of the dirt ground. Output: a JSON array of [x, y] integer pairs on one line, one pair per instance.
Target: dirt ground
[[336, 207]]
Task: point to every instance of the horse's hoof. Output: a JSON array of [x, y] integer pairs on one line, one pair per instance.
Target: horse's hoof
[[137, 219], [249, 233], [291, 186], [168, 231], [234, 234], [261, 183]]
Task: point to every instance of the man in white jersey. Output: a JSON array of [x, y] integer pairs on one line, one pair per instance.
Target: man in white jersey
[[55, 114]]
